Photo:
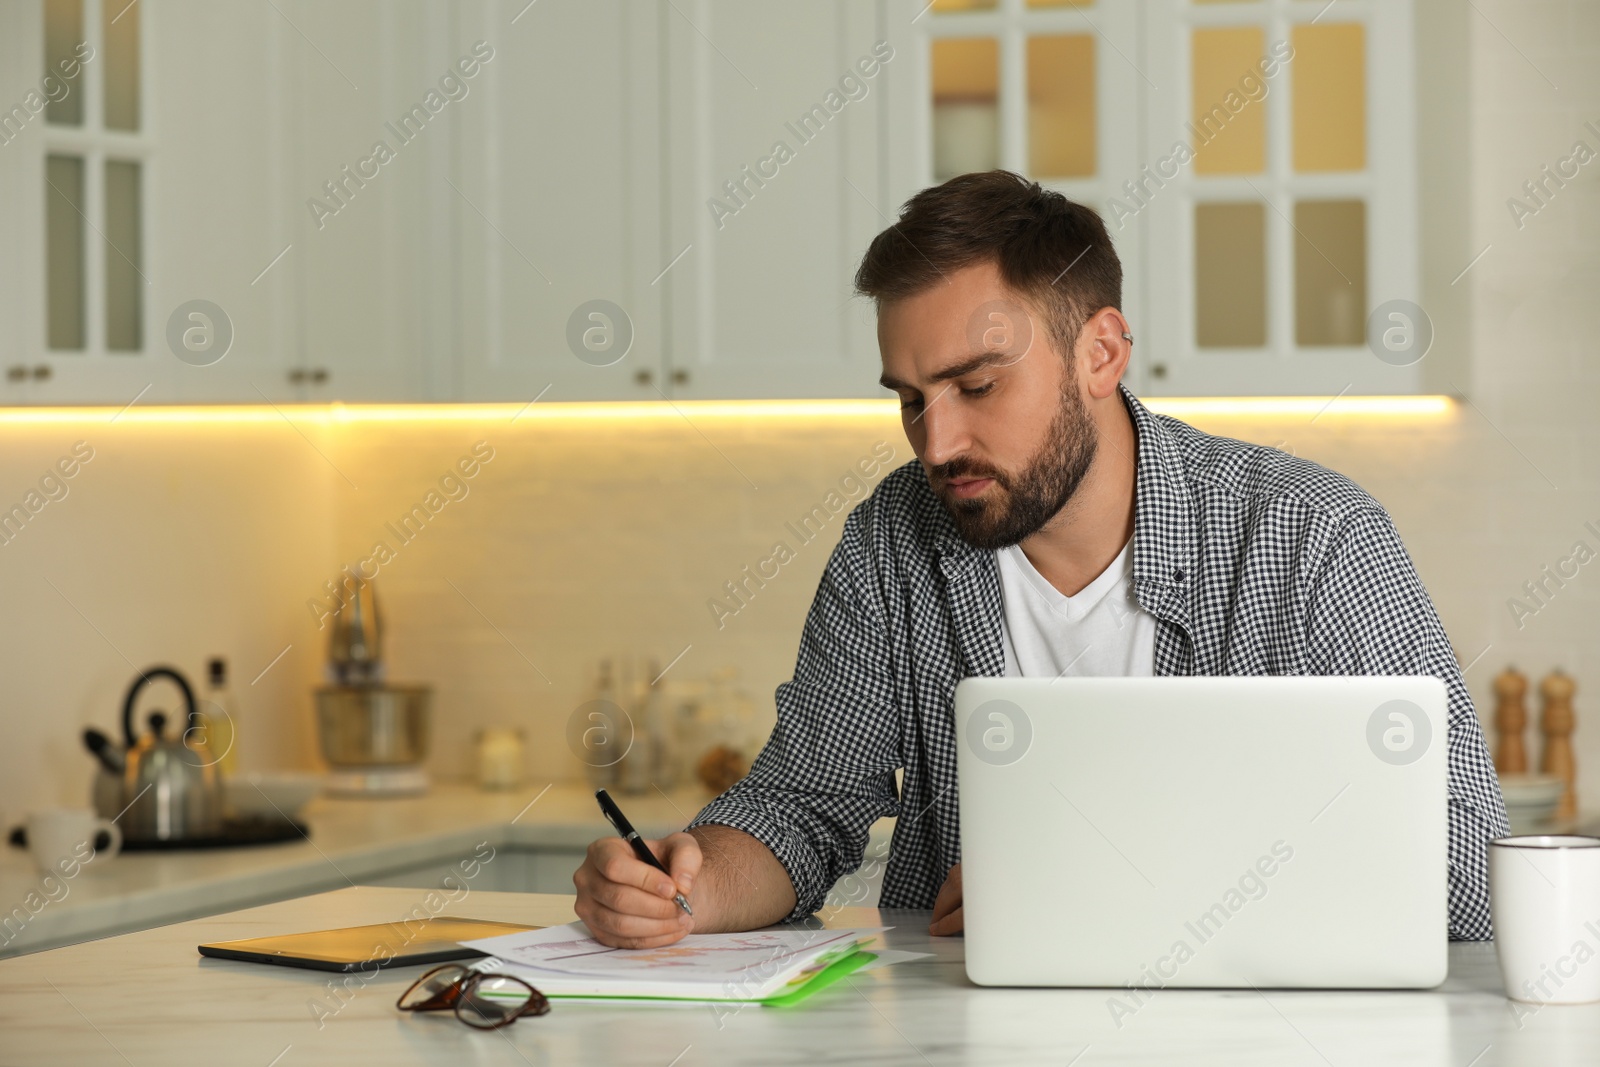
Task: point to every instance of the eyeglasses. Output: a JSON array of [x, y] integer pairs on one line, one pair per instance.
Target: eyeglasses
[[486, 1001]]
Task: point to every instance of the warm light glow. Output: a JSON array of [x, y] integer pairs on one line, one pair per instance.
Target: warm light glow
[[618, 409], [1182, 407], [344, 414]]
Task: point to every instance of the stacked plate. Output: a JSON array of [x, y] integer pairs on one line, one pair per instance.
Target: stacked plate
[[273, 794], [1531, 800]]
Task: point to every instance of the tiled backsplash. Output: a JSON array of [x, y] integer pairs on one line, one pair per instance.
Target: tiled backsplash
[[585, 540], [573, 540]]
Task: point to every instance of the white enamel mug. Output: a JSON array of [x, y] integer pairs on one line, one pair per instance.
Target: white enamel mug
[[1544, 892], [62, 836]]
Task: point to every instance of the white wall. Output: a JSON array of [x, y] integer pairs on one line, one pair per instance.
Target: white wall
[[1535, 321]]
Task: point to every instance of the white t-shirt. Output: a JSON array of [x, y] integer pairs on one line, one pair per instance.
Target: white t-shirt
[[1103, 631]]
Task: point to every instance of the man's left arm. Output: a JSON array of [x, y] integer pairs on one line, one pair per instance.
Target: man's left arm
[[1368, 613]]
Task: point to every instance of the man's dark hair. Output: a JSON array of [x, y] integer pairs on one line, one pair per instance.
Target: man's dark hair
[[1054, 252]]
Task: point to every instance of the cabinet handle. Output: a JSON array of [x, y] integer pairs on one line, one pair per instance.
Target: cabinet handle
[[41, 373], [680, 377], [297, 376], [643, 377], [16, 373], [1158, 370], [319, 375]]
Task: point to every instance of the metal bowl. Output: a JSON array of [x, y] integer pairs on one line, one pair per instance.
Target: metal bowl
[[373, 726]]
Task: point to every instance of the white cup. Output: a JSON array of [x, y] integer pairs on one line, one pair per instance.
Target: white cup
[[1544, 892], [65, 836]]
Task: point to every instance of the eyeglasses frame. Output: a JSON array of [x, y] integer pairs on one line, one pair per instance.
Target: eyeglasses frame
[[457, 993]]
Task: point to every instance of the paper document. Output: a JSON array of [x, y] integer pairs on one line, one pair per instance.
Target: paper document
[[566, 961]]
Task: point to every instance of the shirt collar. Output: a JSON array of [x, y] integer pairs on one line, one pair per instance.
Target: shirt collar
[[1164, 523]]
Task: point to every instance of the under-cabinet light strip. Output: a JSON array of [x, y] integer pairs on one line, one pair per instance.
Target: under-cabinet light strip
[[335, 414]]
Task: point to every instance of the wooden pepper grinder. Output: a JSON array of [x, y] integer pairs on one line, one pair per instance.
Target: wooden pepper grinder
[[1510, 720], [1556, 722]]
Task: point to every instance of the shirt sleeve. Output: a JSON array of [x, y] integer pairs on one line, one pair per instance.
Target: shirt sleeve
[[826, 774], [1368, 613]]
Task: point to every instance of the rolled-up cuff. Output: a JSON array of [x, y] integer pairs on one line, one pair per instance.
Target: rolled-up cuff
[[805, 870]]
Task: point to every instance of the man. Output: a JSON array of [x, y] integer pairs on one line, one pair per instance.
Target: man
[[1052, 525]]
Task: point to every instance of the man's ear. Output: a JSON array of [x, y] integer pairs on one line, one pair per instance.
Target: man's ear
[[1104, 350]]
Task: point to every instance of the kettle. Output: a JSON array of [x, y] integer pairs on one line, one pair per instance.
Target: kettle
[[170, 786]]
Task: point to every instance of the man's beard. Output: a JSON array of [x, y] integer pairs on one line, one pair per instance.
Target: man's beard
[[1019, 505]]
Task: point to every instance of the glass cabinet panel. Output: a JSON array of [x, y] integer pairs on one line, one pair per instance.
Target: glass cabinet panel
[[64, 252], [124, 295], [966, 105], [1330, 272], [63, 30], [121, 58], [1230, 273], [1330, 97], [1229, 130], [1061, 106]]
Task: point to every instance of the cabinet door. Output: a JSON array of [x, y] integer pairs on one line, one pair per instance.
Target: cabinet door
[[221, 198], [776, 185], [375, 104], [304, 182], [555, 200], [1286, 221], [21, 234]]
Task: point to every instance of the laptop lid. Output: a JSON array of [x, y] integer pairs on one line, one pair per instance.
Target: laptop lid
[[1259, 831]]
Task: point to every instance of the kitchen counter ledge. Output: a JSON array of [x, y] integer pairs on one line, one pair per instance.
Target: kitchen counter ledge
[[353, 840]]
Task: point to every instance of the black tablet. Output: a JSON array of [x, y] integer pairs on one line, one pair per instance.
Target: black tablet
[[366, 948]]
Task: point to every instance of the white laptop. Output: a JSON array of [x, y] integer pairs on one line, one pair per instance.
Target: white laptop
[[1222, 832]]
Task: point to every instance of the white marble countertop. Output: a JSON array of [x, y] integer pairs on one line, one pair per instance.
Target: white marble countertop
[[351, 839], [148, 997]]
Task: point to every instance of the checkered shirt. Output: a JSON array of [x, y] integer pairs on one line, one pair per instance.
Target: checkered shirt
[[1254, 562]]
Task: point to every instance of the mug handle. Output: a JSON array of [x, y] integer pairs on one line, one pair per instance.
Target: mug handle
[[115, 833]]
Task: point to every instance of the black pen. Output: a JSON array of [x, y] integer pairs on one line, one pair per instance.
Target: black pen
[[614, 816]]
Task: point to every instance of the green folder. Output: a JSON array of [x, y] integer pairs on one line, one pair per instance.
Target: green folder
[[842, 967]]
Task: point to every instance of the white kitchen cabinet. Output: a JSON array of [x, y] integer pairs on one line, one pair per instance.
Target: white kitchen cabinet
[[245, 110], [519, 183], [776, 184], [219, 197], [1254, 164], [373, 127], [270, 199], [554, 202], [637, 199], [1324, 185]]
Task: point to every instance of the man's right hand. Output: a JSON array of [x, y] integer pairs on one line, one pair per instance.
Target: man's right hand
[[626, 903]]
